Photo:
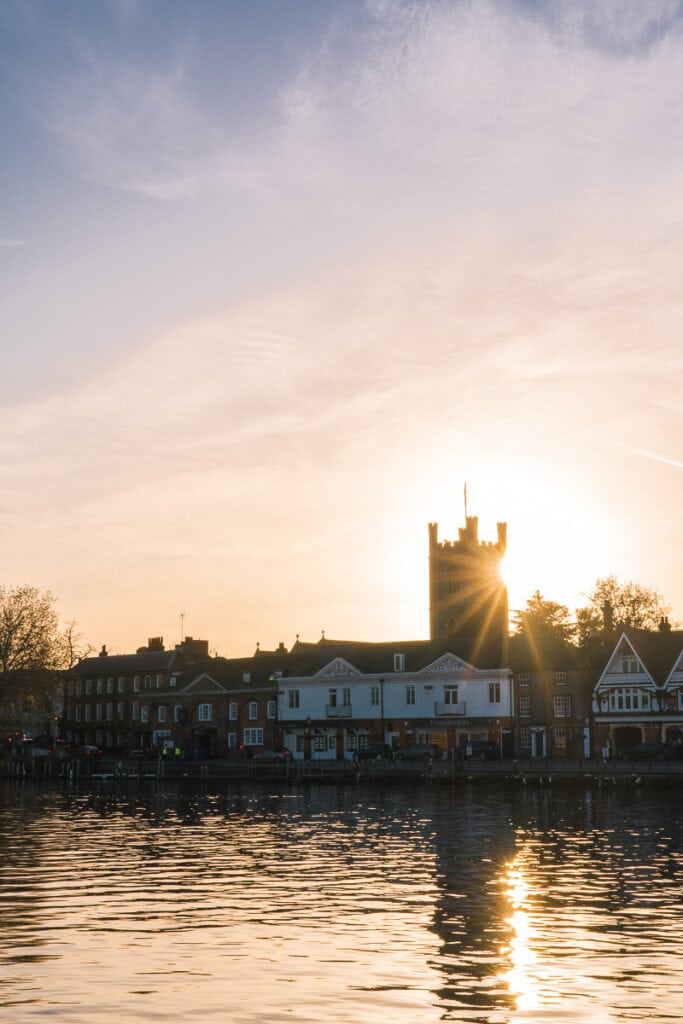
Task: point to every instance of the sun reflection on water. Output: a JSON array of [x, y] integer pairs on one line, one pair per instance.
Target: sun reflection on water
[[519, 978]]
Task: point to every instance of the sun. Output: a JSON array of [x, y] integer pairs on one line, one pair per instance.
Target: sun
[[556, 544]]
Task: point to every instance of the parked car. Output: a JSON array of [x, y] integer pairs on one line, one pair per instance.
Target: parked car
[[419, 752], [649, 752], [480, 750], [32, 748], [279, 755], [89, 751], [374, 752]]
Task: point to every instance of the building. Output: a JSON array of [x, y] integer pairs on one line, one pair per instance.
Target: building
[[553, 684], [344, 695], [638, 697], [467, 596]]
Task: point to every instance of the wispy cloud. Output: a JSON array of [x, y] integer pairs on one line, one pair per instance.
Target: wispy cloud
[[654, 456], [13, 243]]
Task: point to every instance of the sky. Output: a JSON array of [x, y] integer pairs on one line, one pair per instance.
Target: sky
[[279, 277]]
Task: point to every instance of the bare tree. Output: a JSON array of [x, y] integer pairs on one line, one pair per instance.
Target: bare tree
[[72, 646], [32, 649]]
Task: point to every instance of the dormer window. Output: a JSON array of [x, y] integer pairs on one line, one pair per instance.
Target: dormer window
[[629, 664], [399, 662]]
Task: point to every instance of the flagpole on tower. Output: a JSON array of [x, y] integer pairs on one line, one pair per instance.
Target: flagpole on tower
[[465, 502]]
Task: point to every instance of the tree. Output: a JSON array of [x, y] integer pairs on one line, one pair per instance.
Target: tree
[[631, 606], [32, 648], [543, 620]]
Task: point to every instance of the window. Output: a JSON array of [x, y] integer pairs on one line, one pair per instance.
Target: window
[[525, 707], [629, 699], [562, 707], [450, 694], [374, 696], [523, 678], [160, 680], [232, 711], [110, 710], [88, 712], [253, 710], [320, 743], [173, 680], [494, 693], [246, 677], [144, 713], [561, 739], [525, 738], [399, 662], [110, 685], [253, 737], [332, 698], [120, 709], [88, 687], [178, 715], [121, 685], [161, 713], [136, 684], [300, 744], [560, 678], [136, 710], [292, 699], [79, 687], [351, 742], [148, 682], [271, 709], [79, 711], [205, 712], [346, 696], [410, 693], [629, 664], [232, 740], [100, 685]]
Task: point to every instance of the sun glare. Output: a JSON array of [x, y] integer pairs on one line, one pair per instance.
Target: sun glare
[[522, 957], [559, 548]]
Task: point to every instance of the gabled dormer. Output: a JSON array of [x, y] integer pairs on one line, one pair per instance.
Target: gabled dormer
[[625, 685], [203, 684], [339, 668], [625, 666], [675, 678], [447, 665]]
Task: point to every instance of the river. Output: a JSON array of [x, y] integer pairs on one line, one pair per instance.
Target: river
[[242, 902]]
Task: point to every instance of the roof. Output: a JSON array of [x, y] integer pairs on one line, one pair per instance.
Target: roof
[[658, 651], [110, 664]]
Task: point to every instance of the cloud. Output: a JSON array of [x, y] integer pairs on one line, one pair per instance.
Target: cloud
[[12, 243], [446, 89], [656, 457]]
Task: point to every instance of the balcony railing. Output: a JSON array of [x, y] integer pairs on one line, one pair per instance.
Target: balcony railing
[[338, 711], [441, 708]]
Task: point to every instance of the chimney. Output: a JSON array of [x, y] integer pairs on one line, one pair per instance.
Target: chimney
[[607, 618]]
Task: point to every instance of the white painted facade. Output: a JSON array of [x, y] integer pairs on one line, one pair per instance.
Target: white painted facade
[[331, 713]]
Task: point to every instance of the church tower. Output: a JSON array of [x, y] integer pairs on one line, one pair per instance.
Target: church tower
[[467, 596]]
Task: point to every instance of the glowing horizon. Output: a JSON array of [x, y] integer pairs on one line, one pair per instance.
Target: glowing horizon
[[278, 280]]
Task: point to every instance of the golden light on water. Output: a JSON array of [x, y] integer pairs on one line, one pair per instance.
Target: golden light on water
[[519, 978]]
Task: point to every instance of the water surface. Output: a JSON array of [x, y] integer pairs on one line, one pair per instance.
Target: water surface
[[258, 902]]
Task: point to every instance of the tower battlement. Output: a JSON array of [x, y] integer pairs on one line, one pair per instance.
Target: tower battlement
[[467, 596]]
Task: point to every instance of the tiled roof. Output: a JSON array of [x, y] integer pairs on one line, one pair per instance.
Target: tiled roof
[[110, 664]]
